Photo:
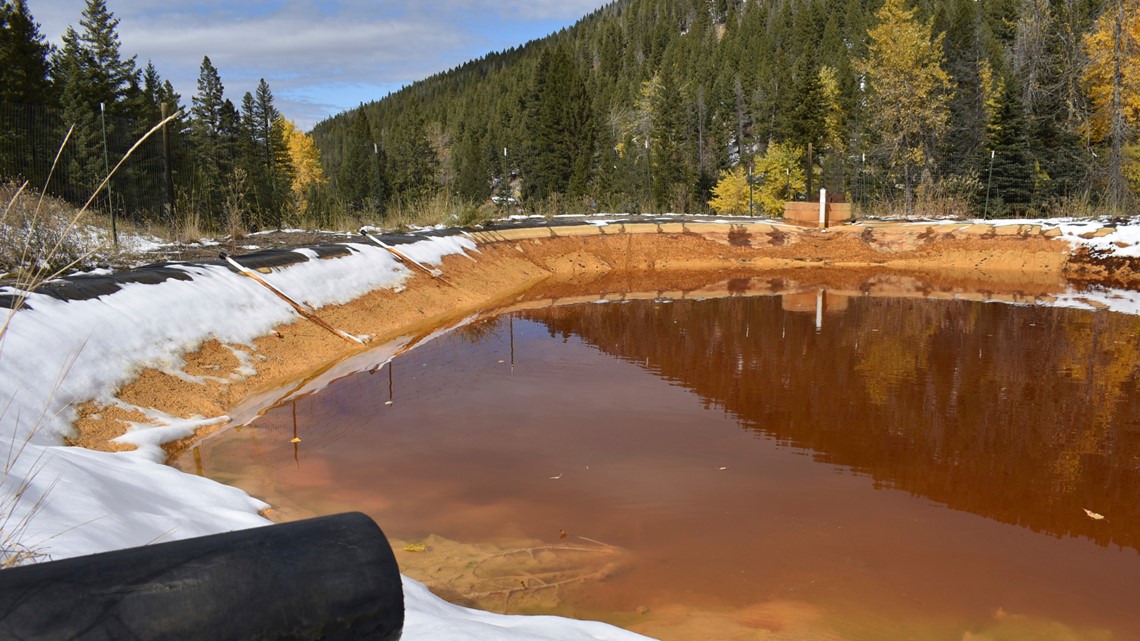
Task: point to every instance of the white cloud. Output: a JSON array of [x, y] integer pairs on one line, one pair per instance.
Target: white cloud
[[535, 9], [318, 57]]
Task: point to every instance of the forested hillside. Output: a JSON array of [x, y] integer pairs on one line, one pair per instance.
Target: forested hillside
[[955, 107], [996, 107]]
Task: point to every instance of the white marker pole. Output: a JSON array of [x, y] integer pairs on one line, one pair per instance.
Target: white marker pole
[[819, 311], [823, 208]]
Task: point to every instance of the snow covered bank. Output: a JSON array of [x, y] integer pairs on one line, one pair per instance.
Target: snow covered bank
[[67, 501], [56, 354]]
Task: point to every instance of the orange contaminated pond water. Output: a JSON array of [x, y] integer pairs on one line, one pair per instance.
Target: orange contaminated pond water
[[744, 468]]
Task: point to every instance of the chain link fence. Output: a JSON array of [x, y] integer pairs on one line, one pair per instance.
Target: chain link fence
[[142, 190]]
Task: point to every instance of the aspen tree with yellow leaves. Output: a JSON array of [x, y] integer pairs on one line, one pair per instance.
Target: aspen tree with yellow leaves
[[305, 159], [730, 195]]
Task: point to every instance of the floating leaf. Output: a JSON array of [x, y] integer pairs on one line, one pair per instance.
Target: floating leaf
[[555, 478], [562, 534], [415, 547], [294, 440], [1094, 516]]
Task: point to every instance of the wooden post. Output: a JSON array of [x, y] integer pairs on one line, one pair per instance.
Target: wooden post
[[807, 196], [750, 189], [168, 172], [107, 168]]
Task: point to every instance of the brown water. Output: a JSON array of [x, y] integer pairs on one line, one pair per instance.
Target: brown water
[[745, 468]]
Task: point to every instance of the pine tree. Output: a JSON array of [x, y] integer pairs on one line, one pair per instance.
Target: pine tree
[[971, 76], [273, 186], [24, 90], [210, 132], [668, 147], [1010, 180], [361, 166], [560, 120], [97, 89], [109, 75], [24, 57], [250, 156], [805, 120], [475, 165], [413, 165]]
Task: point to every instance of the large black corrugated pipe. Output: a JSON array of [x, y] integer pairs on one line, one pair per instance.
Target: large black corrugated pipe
[[330, 578]]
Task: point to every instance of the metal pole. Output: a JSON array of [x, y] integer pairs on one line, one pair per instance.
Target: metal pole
[[807, 196], [107, 168], [819, 311], [863, 180], [168, 172], [750, 189], [649, 177], [989, 181], [379, 174], [271, 166]]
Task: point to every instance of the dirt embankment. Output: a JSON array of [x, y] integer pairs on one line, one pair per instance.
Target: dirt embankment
[[535, 264]]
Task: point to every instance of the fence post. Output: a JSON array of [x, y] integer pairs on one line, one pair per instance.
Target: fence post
[[168, 172], [107, 168], [807, 196]]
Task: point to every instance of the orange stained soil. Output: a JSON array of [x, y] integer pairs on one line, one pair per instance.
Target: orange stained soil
[[546, 263], [520, 269]]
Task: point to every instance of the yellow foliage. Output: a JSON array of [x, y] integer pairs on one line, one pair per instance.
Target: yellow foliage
[[1100, 48], [782, 171], [1132, 166], [306, 162], [730, 195], [833, 115], [908, 89]]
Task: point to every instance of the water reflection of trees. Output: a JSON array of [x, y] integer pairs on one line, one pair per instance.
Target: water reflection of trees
[[1026, 415]]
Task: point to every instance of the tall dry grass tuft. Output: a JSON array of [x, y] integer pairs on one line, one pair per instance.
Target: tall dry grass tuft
[[439, 209]]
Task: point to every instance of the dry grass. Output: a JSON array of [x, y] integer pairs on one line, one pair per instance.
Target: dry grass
[[41, 236], [440, 209]]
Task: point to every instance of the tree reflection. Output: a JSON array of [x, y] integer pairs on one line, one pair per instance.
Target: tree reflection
[[1026, 415]]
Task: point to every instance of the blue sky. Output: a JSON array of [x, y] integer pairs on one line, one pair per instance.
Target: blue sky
[[319, 58]]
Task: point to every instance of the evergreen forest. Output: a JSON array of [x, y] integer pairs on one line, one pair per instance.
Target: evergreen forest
[[903, 107], [68, 114], [921, 107]]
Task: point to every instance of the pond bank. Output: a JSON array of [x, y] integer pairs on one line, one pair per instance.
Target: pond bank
[[1018, 262], [137, 373]]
